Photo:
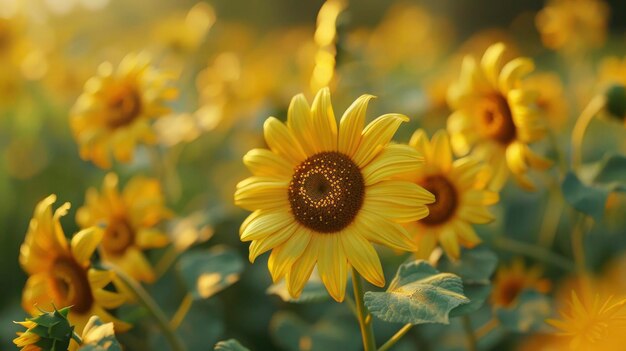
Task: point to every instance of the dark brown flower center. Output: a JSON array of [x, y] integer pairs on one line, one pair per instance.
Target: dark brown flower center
[[118, 236], [70, 285], [124, 105], [509, 291], [495, 119], [446, 199], [326, 192]]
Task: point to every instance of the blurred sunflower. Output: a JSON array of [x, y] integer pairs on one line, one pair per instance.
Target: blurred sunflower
[[495, 117], [60, 274], [460, 196], [593, 323], [129, 221], [573, 25], [511, 281], [551, 100], [113, 114], [322, 193]]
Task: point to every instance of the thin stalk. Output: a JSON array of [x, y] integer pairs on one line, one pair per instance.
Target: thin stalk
[[365, 320], [176, 344], [578, 248], [486, 328], [578, 134], [551, 217], [351, 306], [166, 261], [397, 336], [534, 251], [182, 311], [469, 333]]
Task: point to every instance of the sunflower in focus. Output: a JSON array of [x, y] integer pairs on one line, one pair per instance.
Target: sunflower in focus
[[573, 25], [460, 196], [495, 117], [129, 220], [114, 112], [323, 193], [60, 273], [511, 281], [593, 323]]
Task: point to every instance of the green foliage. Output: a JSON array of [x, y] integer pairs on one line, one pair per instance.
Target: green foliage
[[616, 101], [229, 345], [99, 336], [475, 268], [528, 314], [610, 171], [418, 294], [314, 291], [206, 273], [53, 329], [589, 200]]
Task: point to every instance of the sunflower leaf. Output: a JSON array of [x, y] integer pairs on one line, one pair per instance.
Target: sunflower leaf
[[230, 345], [589, 200], [418, 294], [475, 267], [206, 273]]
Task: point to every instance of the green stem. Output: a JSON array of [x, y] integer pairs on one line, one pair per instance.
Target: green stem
[[146, 301], [351, 306], [397, 336], [469, 333], [534, 251], [578, 133], [365, 319], [578, 248]]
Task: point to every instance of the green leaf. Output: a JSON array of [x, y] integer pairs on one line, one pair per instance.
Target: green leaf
[[610, 172], [206, 273], [528, 313], [589, 200], [475, 268], [230, 345], [99, 336], [418, 294], [314, 291], [334, 331]]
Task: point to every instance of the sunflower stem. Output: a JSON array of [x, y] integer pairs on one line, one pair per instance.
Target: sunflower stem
[[578, 248], [396, 337], [182, 311], [469, 333], [351, 306], [365, 319], [486, 328], [578, 134], [176, 344]]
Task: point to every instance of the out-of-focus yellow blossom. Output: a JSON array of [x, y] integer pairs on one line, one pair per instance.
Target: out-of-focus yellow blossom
[[323, 193], [460, 196], [183, 33], [572, 26], [129, 220], [592, 322], [326, 39], [511, 281], [612, 70], [114, 112], [60, 273], [495, 117], [551, 100]]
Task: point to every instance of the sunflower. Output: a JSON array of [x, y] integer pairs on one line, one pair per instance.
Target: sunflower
[[460, 196], [511, 281], [323, 193], [60, 273], [593, 323], [129, 219], [495, 117], [114, 111], [27, 340]]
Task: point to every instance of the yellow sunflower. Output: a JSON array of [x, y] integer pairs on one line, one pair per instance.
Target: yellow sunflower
[[321, 194], [511, 281], [27, 340], [114, 112], [129, 220], [495, 117], [593, 323], [60, 273], [460, 196]]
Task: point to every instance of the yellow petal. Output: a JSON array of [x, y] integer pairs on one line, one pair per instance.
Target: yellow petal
[[491, 63], [332, 265], [269, 223], [300, 121], [284, 256], [466, 234], [351, 125], [266, 243], [300, 271], [84, 243], [151, 238], [479, 197], [376, 136], [324, 123], [108, 299], [363, 257], [475, 214], [394, 160], [282, 141], [398, 200], [419, 141], [135, 264], [449, 242], [98, 279], [513, 71], [442, 153], [380, 230], [264, 163], [261, 193]]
